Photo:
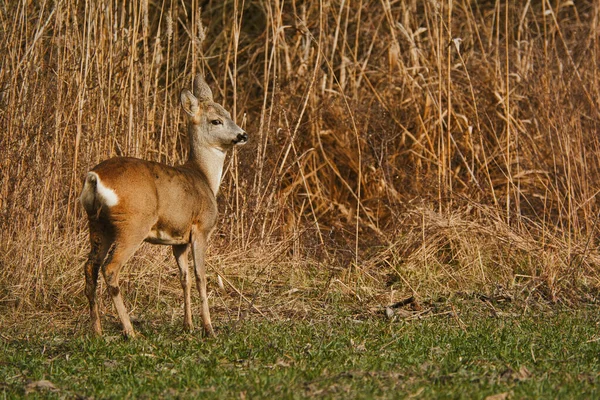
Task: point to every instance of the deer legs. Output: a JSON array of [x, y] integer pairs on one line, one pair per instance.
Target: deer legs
[[181, 255], [199, 243], [108, 254], [198, 247], [92, 267], [117, 256]]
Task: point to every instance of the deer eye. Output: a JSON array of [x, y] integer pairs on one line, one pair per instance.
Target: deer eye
[[216, 122]]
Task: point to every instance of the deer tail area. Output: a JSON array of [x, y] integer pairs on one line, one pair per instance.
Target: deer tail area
[[96, 195]]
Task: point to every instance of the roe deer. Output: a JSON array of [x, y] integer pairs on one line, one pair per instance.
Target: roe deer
[[129, 201]]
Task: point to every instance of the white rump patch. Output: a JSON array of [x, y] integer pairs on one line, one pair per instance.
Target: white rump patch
[[105, 195], [108, 196]]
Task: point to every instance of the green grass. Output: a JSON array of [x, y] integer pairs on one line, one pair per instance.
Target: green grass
[[547, 355]]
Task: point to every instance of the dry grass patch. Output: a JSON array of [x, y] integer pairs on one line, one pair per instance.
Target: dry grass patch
[[397, 148]]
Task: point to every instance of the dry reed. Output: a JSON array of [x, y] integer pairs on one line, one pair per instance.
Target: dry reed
[[418, 147]]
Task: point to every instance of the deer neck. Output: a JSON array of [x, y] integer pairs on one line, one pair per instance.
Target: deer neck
[[209, 160]]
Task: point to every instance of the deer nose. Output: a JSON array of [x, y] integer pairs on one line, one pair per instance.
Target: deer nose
[[241, 138]]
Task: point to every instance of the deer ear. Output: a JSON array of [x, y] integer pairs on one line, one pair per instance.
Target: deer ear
[[189, 102], [201, 89]]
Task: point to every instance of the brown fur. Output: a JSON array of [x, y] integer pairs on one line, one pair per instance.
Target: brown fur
[[150, 193]]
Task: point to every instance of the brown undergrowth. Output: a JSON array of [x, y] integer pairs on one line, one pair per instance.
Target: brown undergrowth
[[397, 148]]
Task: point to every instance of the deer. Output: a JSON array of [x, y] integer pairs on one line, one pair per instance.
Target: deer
[[131, 200]]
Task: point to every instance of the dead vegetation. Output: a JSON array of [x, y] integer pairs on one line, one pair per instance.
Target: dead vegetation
[[397, 148]]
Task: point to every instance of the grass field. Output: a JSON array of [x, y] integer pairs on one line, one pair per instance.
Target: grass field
[[468, 350]]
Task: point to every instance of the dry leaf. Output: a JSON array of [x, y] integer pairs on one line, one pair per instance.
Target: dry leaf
[[499, 396], [40, 386], [523, 373]]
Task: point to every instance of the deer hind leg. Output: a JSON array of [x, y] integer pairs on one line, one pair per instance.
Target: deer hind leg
[[119, 252], [98, 251], [199, 244], [181, 255]]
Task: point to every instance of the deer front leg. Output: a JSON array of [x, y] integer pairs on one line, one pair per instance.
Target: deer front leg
[[181, 255], [199, 244]]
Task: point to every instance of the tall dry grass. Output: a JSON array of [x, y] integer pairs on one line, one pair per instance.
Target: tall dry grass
[[397, 147]]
